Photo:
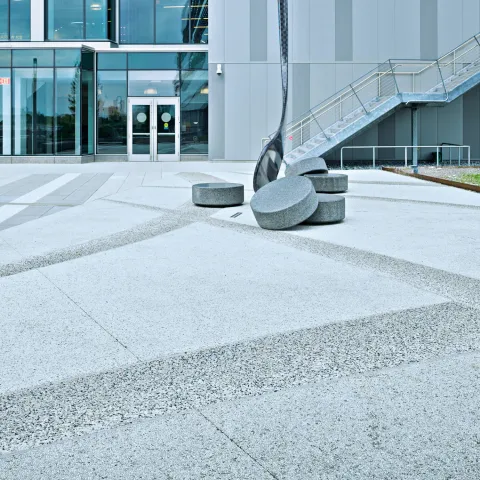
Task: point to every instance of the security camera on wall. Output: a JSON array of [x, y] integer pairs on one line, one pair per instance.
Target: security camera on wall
[[219, 69]]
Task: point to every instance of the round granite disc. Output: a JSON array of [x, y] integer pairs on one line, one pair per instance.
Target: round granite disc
[[329, 182], [331, 209], [307, 165], [218, 194], [284, 203]]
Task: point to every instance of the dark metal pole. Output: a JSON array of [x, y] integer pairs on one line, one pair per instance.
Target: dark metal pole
[[34, 108]]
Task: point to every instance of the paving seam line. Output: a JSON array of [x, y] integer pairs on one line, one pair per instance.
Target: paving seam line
[[154, 388], [236, 444], [401, 270]]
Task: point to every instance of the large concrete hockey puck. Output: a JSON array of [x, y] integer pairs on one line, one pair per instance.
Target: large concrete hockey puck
[[307, 165], [329, 182], [331, 209], [218, 194], [284, 203]]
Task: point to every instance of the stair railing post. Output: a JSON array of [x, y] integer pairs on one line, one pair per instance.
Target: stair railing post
[[358, 98], [321, 129], [394, 77], [406, 157], [443, 81], [341, 158], [373, 149]]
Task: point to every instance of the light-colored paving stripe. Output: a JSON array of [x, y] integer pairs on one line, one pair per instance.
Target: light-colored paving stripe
[[110, 187], [8, 211]]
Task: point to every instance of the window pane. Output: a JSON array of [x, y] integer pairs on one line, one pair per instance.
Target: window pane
[[20, 20], [4, 20], [5, 58], [136, 21], [154, 84], [65, 19], [195, 61], [153, 61], [88, 112], [181, 21], [194, 112], [5, 111], [67, 57], [112, 112], [112, 61], [197, 23], [28, 58], [96, 19], [33, 111], [67, 111]]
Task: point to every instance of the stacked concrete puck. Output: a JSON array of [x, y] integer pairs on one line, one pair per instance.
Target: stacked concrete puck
[[303, 196]]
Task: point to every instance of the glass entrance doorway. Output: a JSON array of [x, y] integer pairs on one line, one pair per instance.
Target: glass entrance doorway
[[153, 129]]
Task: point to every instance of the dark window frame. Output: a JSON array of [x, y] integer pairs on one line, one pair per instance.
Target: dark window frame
[[54, 67], [9, 25], [154, 29], [110, 29]]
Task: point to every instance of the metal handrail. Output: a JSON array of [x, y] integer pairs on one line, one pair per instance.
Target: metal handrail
[[406, 147], [387, 69]]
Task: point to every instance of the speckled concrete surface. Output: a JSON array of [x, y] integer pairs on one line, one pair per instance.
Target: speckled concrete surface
[[250, 368], [412, 422], [271, 325], [174, 447]]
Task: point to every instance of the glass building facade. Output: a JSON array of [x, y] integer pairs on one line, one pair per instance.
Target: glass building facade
[[15, 18], [74, 100]]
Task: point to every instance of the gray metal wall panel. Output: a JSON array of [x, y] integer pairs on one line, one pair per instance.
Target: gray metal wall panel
[[322, 82], [237, 27], [274, 95], [258, 30], [450, 122], [471, 18], [428, 130], [343, 31], [366, 139], [471, 121], [450, 25], [428, 29], [407, 29], [301, 31], [216, 114], [301, 89], [273, 47], [386, 29], [322, 31], [258, 108], [365, 32], [386, 137], [216, 31], [403, 130], [237, 112]]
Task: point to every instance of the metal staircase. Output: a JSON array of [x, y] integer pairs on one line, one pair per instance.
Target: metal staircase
[[377, 94]]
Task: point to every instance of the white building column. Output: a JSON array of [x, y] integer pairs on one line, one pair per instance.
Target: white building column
[[38, 20]]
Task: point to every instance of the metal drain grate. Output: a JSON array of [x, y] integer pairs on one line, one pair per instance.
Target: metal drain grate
[[235, 215]]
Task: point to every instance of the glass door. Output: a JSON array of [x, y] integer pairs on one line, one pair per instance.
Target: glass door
[[154, 129], [167, 129], [140, 129]]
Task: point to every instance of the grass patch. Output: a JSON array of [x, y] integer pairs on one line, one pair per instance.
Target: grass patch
[[473, 178]]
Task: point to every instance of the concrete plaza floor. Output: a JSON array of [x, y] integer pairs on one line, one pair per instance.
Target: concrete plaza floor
[[142, 337]]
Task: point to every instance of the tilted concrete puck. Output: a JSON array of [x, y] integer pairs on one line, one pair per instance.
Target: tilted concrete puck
[[329, 182], [284, 203], [307, 165], [218, 194], [331, 209]]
